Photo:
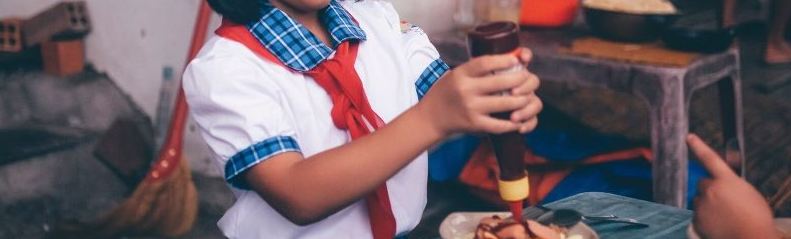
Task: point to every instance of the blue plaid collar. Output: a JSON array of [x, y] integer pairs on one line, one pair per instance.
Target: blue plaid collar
[[295, 45]]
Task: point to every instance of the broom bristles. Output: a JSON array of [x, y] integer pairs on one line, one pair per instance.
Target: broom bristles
[[166, 207]]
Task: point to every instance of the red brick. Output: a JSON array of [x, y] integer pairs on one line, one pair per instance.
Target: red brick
[[11, 35], [65, 20], [63, 58]]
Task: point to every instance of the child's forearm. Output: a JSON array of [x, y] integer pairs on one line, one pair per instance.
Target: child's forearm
[[307, 190]]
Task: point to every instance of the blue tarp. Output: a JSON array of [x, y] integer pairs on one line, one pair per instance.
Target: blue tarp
[[631, 178]]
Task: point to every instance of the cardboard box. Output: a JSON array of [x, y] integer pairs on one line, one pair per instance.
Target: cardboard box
[[63, 58], [11, 35], [65, 20]]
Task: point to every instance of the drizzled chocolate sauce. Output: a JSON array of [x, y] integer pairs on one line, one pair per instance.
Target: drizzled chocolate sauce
[[506, 223]]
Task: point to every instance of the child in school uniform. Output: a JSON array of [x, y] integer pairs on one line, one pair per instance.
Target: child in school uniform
[[320, 113]]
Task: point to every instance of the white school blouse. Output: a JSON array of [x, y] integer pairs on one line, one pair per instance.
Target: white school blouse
[[249, 109]]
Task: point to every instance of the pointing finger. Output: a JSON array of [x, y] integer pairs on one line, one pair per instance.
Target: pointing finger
[[710, 159]]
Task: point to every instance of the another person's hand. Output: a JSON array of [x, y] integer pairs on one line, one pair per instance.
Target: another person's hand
[[727, 206], [464, 98]]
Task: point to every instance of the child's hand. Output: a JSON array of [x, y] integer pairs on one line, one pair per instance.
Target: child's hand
[[527, 116], [727, 206], [464, 98]]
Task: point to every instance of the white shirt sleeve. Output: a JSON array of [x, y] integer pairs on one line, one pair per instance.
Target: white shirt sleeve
[[424, 64], [426, 67], [239, 111]]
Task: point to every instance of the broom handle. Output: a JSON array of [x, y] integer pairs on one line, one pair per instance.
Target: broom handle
[[171, 153]]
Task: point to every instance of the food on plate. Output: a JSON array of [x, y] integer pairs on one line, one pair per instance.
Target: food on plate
[[495, 227], [633, 6]]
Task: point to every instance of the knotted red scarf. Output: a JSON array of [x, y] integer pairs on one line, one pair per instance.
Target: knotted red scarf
[[350, 109]]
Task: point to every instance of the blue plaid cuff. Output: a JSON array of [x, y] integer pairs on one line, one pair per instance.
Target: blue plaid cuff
[[255, 154], [430, 75]]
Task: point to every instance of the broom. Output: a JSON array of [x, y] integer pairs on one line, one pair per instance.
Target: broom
[[165, 202]]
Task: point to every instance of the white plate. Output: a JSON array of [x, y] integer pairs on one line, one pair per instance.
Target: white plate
[[462, 225]]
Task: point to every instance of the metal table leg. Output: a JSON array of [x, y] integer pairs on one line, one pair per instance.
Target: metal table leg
[[668, 109], [732, 118]]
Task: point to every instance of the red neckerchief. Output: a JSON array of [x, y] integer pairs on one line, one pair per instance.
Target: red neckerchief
[[350, 109]]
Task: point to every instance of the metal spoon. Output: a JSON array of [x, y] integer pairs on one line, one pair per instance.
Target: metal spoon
[[569, 218]]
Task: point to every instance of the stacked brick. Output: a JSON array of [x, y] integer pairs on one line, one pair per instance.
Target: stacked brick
[[65, 20], [57, 32], [11, 35]]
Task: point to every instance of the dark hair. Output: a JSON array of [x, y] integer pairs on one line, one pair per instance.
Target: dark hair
[[239, 11]]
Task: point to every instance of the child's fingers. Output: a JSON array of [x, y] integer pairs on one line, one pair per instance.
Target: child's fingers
[[485, 65], [528, 112], [528, 126], [526, 55], [496, 126], [501, 82], [531, 85], [501, 103], [710, 159]]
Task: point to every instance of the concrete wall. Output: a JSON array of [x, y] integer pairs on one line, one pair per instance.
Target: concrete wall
[[434, 16], [133, 40]]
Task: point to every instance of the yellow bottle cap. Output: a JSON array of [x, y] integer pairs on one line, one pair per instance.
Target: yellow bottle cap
[[516, 190]]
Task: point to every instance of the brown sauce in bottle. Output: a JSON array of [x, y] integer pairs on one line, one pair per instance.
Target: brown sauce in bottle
[[502, 38]]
